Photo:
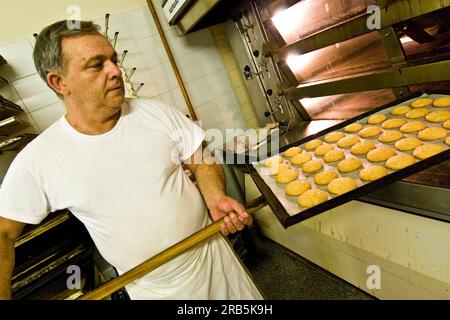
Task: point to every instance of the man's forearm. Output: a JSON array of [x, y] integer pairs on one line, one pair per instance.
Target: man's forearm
[[211, 181], [7, 257]]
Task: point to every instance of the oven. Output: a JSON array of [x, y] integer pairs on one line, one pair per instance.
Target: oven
[[312, 64]]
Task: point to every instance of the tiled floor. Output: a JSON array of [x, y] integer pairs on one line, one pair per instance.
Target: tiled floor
[[281, 274]]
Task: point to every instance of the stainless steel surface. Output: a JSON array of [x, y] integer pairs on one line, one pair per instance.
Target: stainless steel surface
[[390, 78], [394, 13]]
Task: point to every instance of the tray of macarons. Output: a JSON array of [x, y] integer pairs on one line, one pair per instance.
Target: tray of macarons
[[355, 157]]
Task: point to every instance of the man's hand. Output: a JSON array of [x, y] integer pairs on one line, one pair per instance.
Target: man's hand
[[235, 216]]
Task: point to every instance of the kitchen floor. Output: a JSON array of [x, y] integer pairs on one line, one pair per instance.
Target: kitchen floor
[[281, 274]]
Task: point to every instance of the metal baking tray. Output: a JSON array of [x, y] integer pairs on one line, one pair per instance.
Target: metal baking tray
[[286, 208]]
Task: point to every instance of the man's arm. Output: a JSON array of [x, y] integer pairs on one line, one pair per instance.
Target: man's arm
[[211, 182], [9, 232]]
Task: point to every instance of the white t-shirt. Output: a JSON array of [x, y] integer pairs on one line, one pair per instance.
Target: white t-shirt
[[129, 189]]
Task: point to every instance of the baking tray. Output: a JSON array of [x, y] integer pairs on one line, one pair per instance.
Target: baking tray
[[285, 207]]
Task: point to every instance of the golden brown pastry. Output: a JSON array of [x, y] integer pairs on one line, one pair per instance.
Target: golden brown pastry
[[417, 113], [333, 155], [348, 141], [275, 169], [286, 176], [312, 166], [407, 144], [334, 136], [341, 185], [433, 133], [349, 165], [393, 123], [412, 126], [427, 150], [400, 110], [311, 145], [289, 153], [420, 103], [362, 147], [372, 173], [297, 187], [447, 141], [324, 177], [446, 124], [442, 102], [376, 118], [390, 136], [400, 161], [300, 158], [438, 116], [380, 154], [323, 149], [312, 198], [275, 160], [369, 132], [354, 127]]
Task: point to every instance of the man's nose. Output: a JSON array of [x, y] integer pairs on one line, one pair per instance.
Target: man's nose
[[114, 70]]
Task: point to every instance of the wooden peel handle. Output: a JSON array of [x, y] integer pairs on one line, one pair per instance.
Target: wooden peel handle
[[165, 256]]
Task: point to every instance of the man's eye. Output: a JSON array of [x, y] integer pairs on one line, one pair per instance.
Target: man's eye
[[96, 66]]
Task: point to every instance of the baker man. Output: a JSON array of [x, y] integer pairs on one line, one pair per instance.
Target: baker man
[[117, 165]]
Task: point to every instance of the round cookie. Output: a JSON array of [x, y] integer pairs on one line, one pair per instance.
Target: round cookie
[[433, 133], [438, 116], [297, 187], [362, 147], [400, 161], [333, 155], [380, 154], [369, 132], [312, 166], [372, 173], [348, 141], [311, 145], [420, 103], [325, 177], [274, 170], [300, 158], [341, 185], [412, 126], [400, 110], [376, 118], [275, 160], [349, 165], [446, 124], [393, 123], [407, 144], [323, 149], [289, 153], [312, 198], [442, 102], [427, 150], [447, 141], [286, 176], [417, 113], [354, 127], [390, 136], [334, 136]]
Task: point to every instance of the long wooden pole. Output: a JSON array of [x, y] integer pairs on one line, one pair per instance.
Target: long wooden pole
[[165, 256], [172, 60]]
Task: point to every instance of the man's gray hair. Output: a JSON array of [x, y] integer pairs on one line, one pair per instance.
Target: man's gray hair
[[47, 54]]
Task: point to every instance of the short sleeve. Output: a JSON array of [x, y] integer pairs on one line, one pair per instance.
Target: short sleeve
[[21, 196], [187, 135]]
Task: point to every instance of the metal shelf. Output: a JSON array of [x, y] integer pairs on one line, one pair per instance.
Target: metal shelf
[[394, 13]]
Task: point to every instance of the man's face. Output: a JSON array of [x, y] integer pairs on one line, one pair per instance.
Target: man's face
[[92, 77]]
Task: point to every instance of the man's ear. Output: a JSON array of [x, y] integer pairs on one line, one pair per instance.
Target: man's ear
[[56, 81]]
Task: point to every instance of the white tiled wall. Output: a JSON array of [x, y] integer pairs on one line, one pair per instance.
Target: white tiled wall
[[197, 57]]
